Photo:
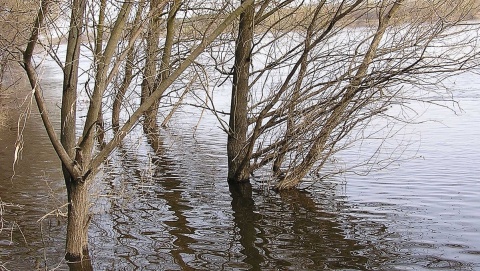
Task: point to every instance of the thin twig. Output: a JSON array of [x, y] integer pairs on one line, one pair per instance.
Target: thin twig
[[57, 211]]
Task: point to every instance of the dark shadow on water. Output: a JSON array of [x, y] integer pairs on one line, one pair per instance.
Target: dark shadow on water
[[290, 230], [85, 265], [247, 221], [188, 221], [178, 226]]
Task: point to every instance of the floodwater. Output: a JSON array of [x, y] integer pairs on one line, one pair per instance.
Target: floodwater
[[173, 209]]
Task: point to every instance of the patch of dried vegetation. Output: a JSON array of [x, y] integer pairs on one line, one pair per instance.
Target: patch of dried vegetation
[[298, 18], [15, 19]]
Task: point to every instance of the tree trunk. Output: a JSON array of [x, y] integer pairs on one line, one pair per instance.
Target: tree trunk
[[97, 55], [78, 219], [76, 245], [154, 78], [150, 70], [119, 96], [237, 150], [70, 82], [128, 76]]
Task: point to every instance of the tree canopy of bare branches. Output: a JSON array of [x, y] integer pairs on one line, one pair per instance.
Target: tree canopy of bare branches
[[304, 76]]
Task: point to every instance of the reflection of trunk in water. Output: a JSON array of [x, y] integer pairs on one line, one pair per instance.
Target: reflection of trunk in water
[[124, 216], [286, 230], [172, 183], [247, 222], [84, 265], [297, 221], [322, 232]]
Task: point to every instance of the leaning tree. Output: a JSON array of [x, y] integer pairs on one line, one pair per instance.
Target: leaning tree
[[308, 76]]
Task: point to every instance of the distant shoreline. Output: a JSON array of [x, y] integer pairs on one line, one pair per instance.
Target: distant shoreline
[[13, 92]]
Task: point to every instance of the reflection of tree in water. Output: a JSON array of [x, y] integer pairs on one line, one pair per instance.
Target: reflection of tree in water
[[178, 226], [191, 223], [144, 213], [246, 220], [294, 232], [319, 232]]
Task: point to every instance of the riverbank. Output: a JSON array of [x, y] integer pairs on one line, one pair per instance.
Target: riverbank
[[14, 89]]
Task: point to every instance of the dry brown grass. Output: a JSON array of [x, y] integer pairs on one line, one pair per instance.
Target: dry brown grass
[[412, 11]]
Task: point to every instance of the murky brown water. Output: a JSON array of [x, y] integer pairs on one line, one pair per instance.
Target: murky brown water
[[174, 210]]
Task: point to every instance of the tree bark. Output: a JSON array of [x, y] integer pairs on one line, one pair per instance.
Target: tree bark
[[77, 224], [120, 94], [150, 69], [237, 150]]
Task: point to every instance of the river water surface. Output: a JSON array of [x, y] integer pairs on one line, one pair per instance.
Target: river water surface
[[173, 210]]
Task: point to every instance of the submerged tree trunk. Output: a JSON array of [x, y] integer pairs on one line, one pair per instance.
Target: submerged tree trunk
[[76, 243], [78, 220], [237, 150]]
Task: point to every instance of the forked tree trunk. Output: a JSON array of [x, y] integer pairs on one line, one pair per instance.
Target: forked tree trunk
[[76, 245], [237, 150]]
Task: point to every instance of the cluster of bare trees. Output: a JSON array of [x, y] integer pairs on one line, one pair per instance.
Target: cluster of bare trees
[[304, 75], [344, 65]]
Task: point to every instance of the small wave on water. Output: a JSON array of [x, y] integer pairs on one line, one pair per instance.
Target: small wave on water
[[174, 210]]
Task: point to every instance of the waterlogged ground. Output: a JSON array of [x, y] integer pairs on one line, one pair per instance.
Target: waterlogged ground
[[173, 210]]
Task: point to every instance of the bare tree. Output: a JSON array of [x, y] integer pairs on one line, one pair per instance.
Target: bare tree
[[80, 159], [305, 76], [324, 70]]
